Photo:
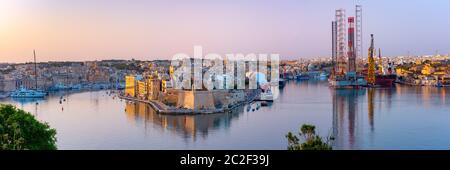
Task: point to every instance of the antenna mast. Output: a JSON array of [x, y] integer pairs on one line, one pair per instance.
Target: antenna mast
[[35, 70]]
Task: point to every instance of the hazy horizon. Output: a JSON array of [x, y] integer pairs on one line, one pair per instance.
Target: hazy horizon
[[67, 30]]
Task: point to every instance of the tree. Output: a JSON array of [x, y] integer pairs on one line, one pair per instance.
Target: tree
[[311, 140], [20, 130]]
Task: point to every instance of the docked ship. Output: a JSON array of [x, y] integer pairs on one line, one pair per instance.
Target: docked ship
[[375, 74], [28, 93], [385, 80], [382, 79]]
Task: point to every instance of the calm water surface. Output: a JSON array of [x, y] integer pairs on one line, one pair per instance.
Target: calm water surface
[[400, 118]]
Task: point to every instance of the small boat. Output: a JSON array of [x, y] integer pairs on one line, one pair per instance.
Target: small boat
[[28, 93], [266, 95]]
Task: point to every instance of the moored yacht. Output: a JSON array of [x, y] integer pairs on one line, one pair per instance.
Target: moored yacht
[[23, 92], [28, 93]]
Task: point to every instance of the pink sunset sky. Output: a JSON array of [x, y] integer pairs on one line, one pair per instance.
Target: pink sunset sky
[[80, 30]]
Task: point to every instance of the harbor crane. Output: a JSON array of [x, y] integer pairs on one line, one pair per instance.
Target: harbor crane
[[371, 64]]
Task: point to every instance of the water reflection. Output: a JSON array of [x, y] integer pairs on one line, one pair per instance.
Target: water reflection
[[23, 101], [425, 95], [189, 126], [29, 101], [349, 114], [370, 107], [404, 117], [355, 111], [345, 112]]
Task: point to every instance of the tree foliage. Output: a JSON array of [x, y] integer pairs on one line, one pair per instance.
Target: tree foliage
[[311, 141], [20, 130]]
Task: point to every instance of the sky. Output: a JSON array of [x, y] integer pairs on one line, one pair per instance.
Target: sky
[[78, 30]]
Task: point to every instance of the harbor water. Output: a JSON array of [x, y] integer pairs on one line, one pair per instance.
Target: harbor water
[[404, 117]]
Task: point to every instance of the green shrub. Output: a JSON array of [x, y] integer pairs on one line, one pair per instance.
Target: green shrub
[[311, 141], [20, 130]]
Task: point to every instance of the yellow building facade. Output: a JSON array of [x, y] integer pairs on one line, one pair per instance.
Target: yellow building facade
[[427, 69], [142, 89], [130, 86]]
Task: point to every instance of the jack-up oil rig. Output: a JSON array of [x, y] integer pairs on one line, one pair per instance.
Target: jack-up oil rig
[[344, 73]]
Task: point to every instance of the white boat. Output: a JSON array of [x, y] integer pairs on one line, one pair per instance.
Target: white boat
[[22, 92], [27, 93], [266, 95]]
